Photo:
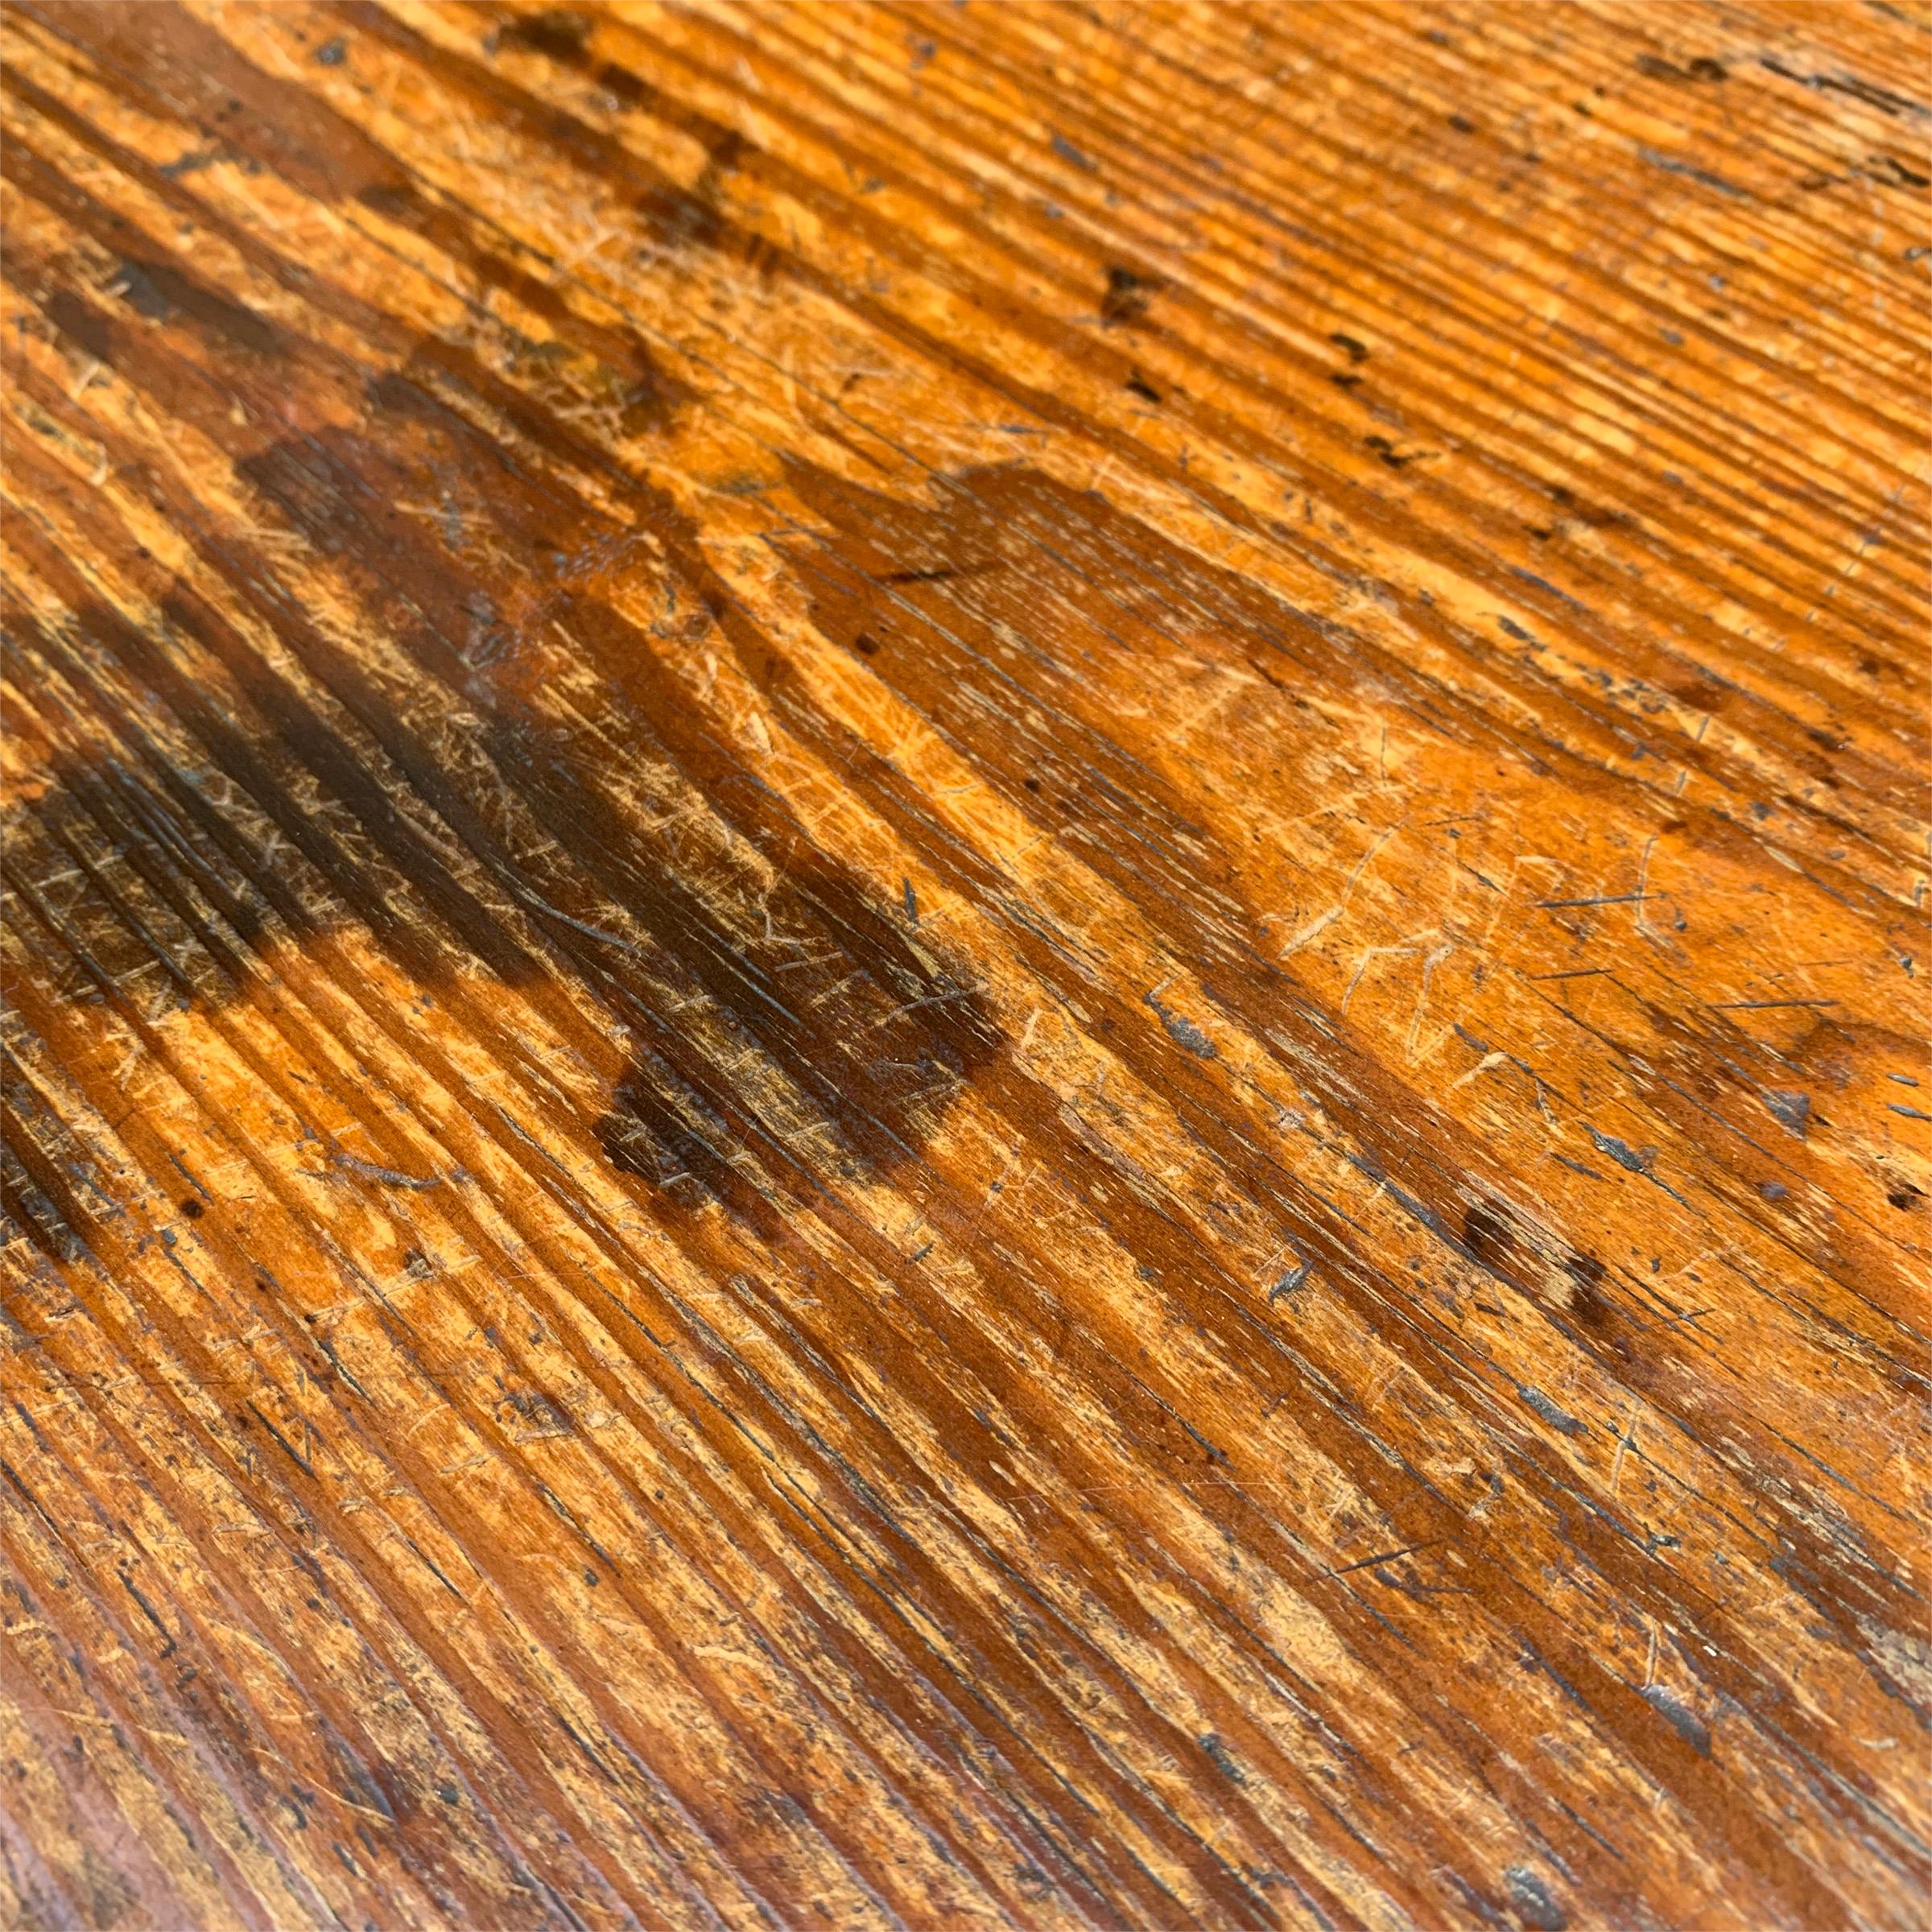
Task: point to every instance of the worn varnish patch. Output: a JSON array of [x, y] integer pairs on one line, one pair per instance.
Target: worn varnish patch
[[963, 966]]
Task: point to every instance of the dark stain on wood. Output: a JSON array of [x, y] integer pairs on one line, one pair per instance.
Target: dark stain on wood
[[855, 1070]]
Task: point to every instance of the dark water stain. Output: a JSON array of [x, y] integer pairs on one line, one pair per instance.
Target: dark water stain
[[787, 1031]]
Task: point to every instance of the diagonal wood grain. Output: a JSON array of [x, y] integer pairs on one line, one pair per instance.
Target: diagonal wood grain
[[964, 965]]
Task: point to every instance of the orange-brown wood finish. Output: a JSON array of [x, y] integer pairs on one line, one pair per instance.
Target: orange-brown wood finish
[[964, 966]]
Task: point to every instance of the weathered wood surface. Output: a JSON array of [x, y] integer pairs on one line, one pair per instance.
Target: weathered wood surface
[[965, 966]]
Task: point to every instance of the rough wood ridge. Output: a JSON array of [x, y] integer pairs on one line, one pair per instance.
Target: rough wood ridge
[[964, 966]]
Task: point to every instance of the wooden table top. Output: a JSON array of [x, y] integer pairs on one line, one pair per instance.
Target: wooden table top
[[965, 966]]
